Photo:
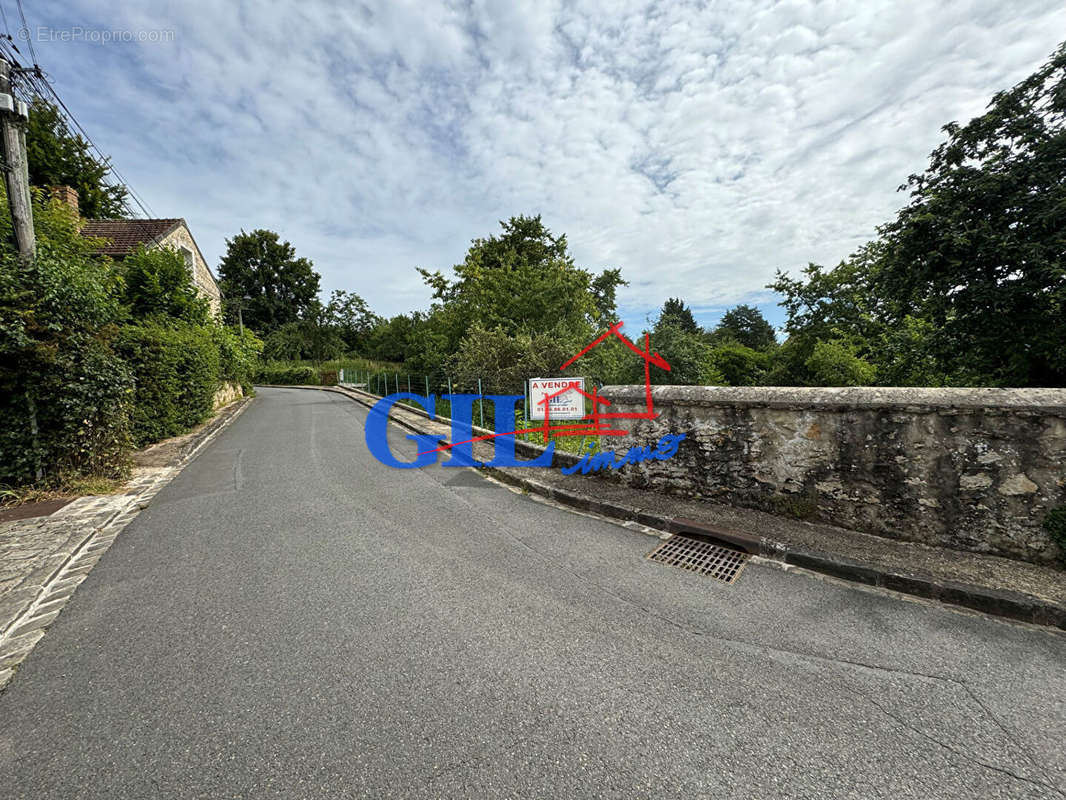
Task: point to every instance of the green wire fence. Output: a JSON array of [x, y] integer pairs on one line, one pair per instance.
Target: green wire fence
[[385, 382]]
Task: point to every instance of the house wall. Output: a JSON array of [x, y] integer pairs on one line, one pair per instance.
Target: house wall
[[971, 469], [202, 277]]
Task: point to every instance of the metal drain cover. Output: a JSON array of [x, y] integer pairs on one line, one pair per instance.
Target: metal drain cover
[[699, 556]]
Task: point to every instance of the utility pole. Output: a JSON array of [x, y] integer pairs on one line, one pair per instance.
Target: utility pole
[[16, 167]]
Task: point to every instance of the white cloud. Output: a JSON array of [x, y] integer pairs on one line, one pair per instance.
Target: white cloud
[[698, 147]]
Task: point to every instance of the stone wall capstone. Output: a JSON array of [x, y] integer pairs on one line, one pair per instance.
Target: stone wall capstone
[[971, 469]]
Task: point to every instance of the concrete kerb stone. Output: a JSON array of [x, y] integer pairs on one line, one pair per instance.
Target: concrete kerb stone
[[21, 631], [998, 602]]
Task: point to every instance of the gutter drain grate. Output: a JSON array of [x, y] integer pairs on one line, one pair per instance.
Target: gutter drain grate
[[705, 558]]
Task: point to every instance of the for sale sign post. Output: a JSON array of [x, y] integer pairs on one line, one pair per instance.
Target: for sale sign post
[[563, 397]]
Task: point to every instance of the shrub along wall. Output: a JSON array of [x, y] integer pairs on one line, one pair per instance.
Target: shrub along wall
[[176, 374], [63, 388], [96, 357], [295, 375]]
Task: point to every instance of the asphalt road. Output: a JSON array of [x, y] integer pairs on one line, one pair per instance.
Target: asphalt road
[[289, 618]]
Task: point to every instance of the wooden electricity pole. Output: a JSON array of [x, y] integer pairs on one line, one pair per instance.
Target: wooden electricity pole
[[16, 167]]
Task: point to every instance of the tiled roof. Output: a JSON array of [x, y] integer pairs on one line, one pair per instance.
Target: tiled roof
[[124, 235]]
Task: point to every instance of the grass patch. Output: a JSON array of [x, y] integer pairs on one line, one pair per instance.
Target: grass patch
[[76, 486]]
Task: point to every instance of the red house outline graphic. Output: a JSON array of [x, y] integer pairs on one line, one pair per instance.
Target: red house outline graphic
[[596, 424]]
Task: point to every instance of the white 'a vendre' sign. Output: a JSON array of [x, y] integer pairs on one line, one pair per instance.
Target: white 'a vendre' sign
[[565, 398]]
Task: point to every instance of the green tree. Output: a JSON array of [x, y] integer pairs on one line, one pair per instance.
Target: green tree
[[968, 284], [747, 326], [521, 281], [312, 337], [352, 318], [738, 364], [262, 274], [391, 339], [824, 302], [430, 341], [604, 292], [674, 312], [978, 252], [503, 362], [835, 363], [58, 157], [687, 353], [158, 284]]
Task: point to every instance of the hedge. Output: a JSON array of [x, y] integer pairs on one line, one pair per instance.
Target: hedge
[[238, 355], [63, 390], [91, 364], [65, 414], [286, 375], [176, 373]]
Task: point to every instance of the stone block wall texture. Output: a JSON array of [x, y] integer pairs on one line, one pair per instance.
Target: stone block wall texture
[[971, 469], [227, 393]]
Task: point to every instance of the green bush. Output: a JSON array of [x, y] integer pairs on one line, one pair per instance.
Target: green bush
[[176, 374], [503, 362], [835, 363], [286, 375], [65, 415], [688, 355], [738, 364], [303, 339], [238, 355], [159, 284], [91, 363], [64, 393]]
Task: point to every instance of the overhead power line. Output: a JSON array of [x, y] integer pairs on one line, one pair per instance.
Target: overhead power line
[[34, 82], [29, 35]]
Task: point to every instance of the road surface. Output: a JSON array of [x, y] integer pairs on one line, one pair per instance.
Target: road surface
[[290, 618]]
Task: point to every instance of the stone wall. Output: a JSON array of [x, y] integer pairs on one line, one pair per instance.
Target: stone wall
[[227, 393], [201, 277], [972, 469]]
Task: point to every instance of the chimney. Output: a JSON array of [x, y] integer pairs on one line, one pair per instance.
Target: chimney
[[66, 195]]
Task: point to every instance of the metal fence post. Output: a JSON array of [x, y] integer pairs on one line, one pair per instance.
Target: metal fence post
[[409, 383], [449, 384]]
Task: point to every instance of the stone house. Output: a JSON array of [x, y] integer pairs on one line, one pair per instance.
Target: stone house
[[123, 236]]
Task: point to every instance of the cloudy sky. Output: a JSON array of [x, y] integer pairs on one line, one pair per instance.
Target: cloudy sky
[[699, 147]]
